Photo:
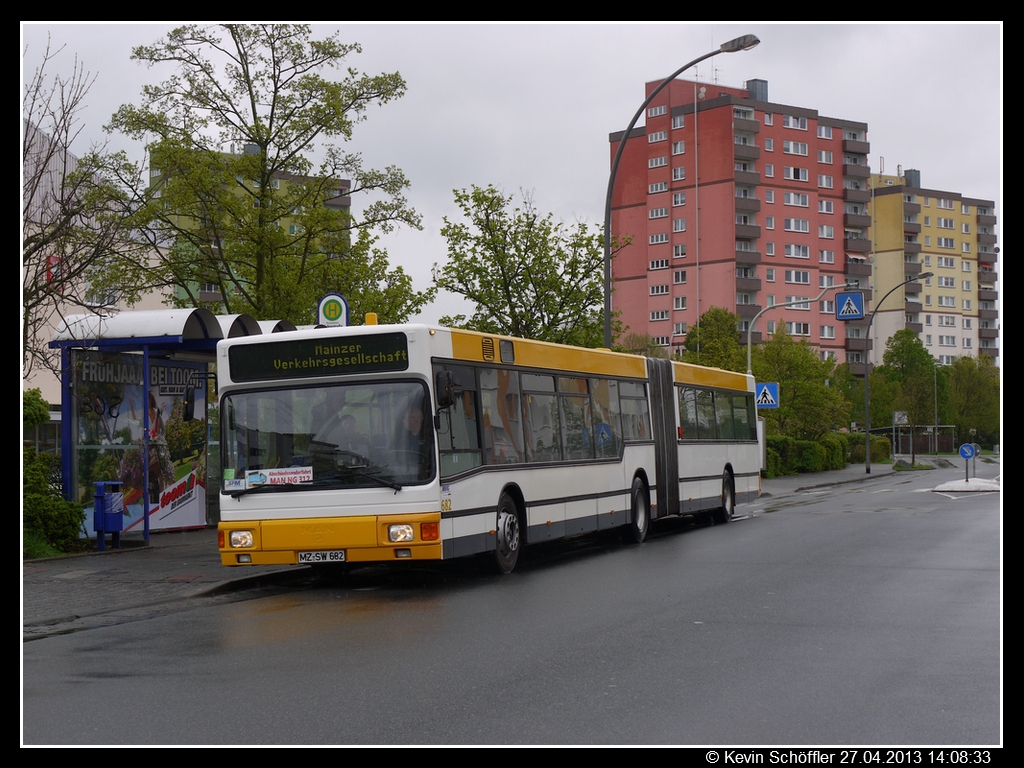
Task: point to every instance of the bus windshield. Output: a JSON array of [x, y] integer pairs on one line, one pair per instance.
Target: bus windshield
[[344, 435]]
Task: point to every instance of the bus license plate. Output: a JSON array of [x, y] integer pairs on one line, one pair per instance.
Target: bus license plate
[[323, 556]]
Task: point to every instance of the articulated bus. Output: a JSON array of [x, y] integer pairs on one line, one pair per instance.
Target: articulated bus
[[394, 442]]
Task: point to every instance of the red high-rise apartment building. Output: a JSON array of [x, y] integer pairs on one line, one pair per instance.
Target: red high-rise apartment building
[[731, 200]]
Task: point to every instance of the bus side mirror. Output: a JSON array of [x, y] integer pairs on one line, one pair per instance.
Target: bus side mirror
[[444, 389]]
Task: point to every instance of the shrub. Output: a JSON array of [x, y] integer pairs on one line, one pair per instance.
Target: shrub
[[47, 515], [773, 463], [810, 456]]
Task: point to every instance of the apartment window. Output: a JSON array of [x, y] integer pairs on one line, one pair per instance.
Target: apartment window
[[661, 186], [769, 275], [679, 251], [661, 341], [927, 261], [947, 321], [796, 198], [679, 278], [769, 222], [947, 262], [800, 123], [678, 198], [853, 332], [826, 232], [967, 304], [965, 248], [798, 329], [825, 206], [660, 314], [828, 331], [657, 111], [965, 228], [771, 327], [657, 136], [680, 302], [824, 156], [927, 299], [769, 249], [966, 342], [767, 118], [658, 239], [744, 299], [659, 290], [947, 301], [825, 182], [769, 170], [659, 264], [966, 285], [679, 121], [925, 201], [658, 162], [947, 282], [928, 339], [827, 307], [927, 319], [794, 148], [679, 329], [947, 341], [794, 174], [967, 323], [826, 281], [966, 265], [679, 174], [769, 195], [947, 204], [824, 131], [798, 276], [927, 221], [770, 300], [769, 145], [945, 223], [797, 225], [965, 209], [804, 305], [657, 213], [679, 225], [678, 147], [795, 251]]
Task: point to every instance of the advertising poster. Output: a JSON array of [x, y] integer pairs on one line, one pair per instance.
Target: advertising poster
[[110, 424]]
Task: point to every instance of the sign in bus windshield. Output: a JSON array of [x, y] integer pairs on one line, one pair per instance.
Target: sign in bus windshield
[[337, 356]]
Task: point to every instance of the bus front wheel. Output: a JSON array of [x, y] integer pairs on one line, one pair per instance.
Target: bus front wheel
[[640, 508], [509, 539]]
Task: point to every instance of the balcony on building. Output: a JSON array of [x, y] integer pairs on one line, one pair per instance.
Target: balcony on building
[[858, 345], [856, 170], [911, 268], [852, 195], [858, 267], [755, 338], [748, 177], [913, 287], [987, 276], [912, 227], [748, 257], [911, 208], [748, 310], [857, 244], [748, 231], [986, 239], [748, 126], [986, 219], [748, 284], [988, 314], [910, 247], [748, 204], [915, 327], [987, 257], [988, 294], [857, 220], [856, 147], [988, 333], [858, 369], [990, 351], [912, 306]]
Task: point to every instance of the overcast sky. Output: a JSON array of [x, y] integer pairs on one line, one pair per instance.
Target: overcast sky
[[530, 107]]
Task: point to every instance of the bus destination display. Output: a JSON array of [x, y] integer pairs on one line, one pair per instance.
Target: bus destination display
[[306, 358]]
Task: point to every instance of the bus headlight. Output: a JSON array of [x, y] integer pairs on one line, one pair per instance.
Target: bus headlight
[[400, 532], [241, 539]]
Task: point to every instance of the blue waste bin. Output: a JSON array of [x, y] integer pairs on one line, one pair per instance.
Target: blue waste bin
[[108, 513]]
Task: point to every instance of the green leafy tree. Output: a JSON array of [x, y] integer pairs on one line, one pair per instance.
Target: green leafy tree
[[638, 344], [528, 275], [811, 398], [271, 230], [715, 341], [35, 411], [910, 367], [974, 398]]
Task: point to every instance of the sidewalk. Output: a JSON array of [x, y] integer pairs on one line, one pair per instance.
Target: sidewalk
[[62, 594]]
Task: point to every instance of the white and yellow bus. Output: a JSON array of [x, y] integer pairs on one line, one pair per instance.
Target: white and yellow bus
[[392, 442]]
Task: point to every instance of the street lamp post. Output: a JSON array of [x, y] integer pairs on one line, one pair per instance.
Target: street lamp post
[[744, 43], [867, 389]]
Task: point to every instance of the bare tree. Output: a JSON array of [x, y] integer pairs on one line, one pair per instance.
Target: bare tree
[[77, 252]]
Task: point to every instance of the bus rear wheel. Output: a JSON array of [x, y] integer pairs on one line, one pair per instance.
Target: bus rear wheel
[[640, 509], [725, 514], [509, 538]]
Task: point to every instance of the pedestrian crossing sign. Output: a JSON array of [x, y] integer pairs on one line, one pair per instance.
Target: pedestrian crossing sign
[[766, 394], [850, 306]]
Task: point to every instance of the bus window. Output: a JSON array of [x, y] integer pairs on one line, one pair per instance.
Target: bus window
[[502, 424], [607, 424]]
